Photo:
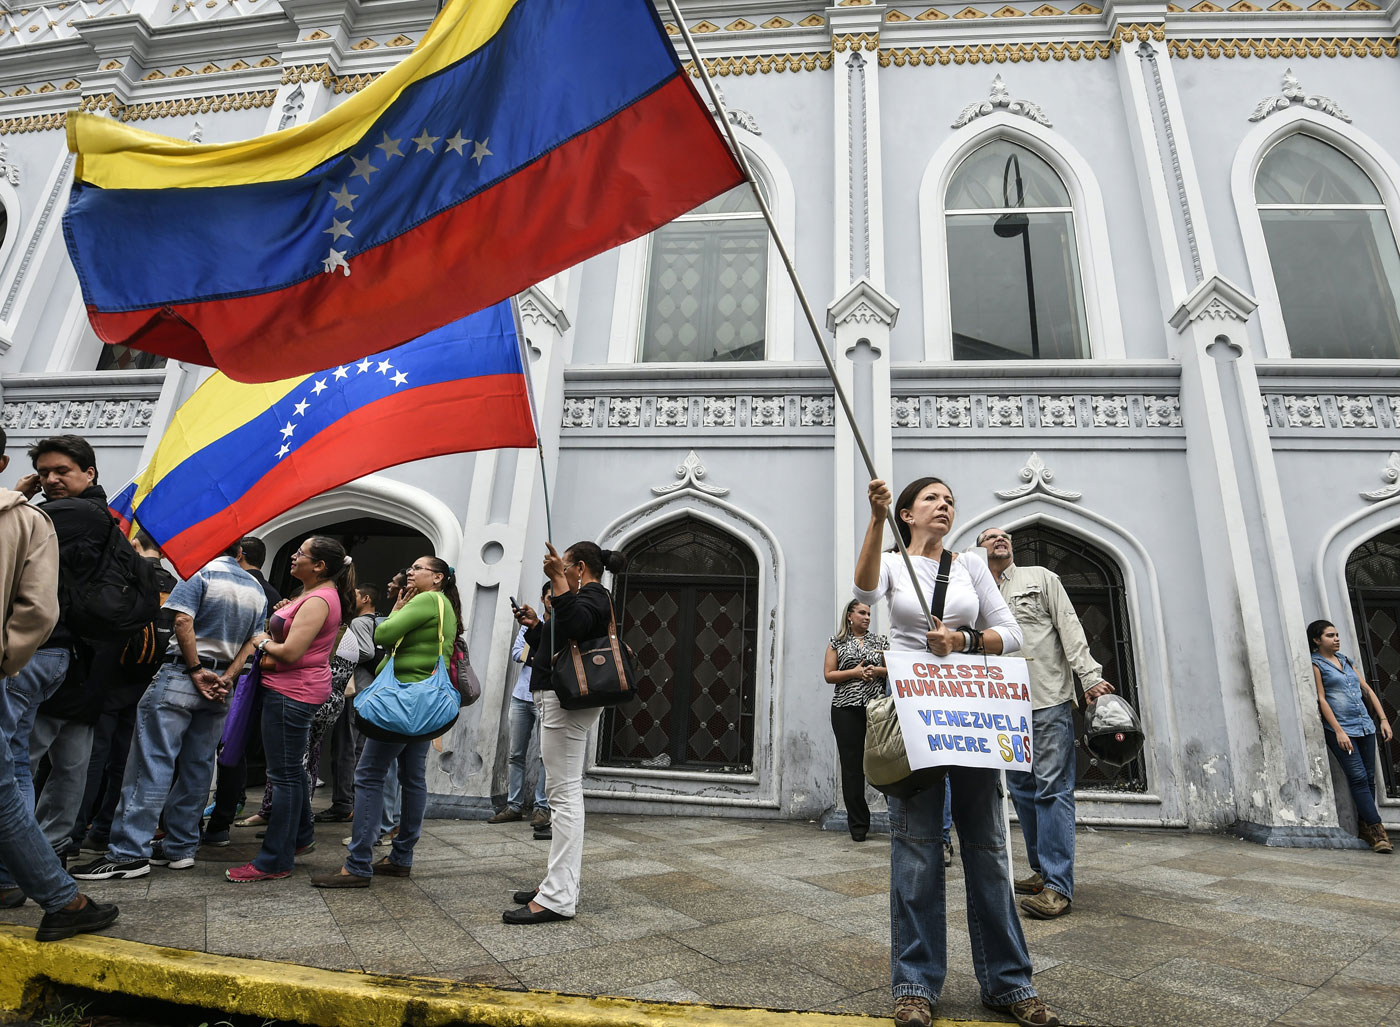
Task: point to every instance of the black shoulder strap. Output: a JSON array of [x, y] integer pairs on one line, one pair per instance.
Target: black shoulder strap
[[940, 589]]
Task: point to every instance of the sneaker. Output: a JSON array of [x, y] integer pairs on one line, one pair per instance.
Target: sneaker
[[1045, 905], [160, 859], [506, 816], [387, 838], [248, 874], [310, 847], [913, 1011], [332, 815], [1030, 885], [544, 834], [215, 839], [64, 923], [1029, 1012], [540, 819], [104, 869]]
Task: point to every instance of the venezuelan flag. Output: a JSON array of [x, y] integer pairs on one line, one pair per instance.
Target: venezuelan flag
[[237, 455], [519, 138]]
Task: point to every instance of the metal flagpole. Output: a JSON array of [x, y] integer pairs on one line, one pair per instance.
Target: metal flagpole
[[742, 158], [534, 412]]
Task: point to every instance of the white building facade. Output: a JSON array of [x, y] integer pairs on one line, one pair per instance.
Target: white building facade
[[1125, 275]]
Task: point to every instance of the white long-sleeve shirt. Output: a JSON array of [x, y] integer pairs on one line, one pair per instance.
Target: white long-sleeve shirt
[[972, 601], [522, 683]]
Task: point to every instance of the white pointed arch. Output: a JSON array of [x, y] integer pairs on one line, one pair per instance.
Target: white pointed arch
[[624, 344], [1369, 155], [371, 496], [1330, 563], [1145, 617], [1105, 324], [762, 789]]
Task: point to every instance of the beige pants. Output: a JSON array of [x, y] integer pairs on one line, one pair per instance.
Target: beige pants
[[564, 749]]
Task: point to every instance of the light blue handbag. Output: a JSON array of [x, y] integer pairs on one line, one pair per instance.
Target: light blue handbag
[[391, 710]]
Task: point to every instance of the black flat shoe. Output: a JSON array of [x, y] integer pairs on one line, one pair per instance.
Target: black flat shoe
[[64, 923], [13, 898], [857, 836], [524, 915], [523, 897]]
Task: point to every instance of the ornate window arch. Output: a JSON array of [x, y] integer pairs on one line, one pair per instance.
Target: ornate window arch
[[1373, 582], [708, 271], [1307, 184], [945, 209]]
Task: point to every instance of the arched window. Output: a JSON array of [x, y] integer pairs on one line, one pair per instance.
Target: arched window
[[689, 611], [1095, 587], [1373, 579], [707, 283], [1332, 249], [1013, 262]]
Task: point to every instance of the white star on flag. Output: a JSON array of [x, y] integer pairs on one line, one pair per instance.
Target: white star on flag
[[341, 372], [384, 367], [319, 388], [425, 142], [390, 147], [480, 152], [287, 431], [457, 143], [283, 451], [364, 167], [345, 198], [338, 228], [364, 365], [400, 379], [336, 261], [301, 407]]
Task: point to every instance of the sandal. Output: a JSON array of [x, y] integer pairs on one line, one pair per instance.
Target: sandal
[[255, 820]]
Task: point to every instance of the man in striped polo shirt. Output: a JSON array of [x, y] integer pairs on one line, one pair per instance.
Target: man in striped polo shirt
[[218, 610]]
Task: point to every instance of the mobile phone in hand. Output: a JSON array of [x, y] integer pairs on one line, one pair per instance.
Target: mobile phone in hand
[[514, 605]]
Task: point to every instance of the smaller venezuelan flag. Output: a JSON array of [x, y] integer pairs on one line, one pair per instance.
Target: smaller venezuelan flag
[[123, 506], [237, 455], [519, 138]]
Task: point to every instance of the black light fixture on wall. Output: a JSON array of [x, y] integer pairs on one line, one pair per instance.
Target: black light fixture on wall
[[1012, 224]]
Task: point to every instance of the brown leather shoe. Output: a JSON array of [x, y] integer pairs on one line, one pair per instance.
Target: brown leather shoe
[[1045, 905], [1374, 835], [540, 820], [1032, 885], [335, 879], [506, 816], [385, 868], [1029, 1012], [913, 1011]]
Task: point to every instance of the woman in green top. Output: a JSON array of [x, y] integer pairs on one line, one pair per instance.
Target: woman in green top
[[423, 625]]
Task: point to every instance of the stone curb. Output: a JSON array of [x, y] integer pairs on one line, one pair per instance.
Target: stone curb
[[335, 998]]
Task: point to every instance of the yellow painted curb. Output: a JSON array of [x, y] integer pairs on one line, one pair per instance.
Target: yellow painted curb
[[340, 998]]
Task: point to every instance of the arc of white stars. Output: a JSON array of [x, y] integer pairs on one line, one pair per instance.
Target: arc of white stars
[[390, 147], [480, 152], [425, 142]]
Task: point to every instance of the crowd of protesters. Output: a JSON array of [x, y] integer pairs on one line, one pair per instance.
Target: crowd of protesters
[[116, 726]]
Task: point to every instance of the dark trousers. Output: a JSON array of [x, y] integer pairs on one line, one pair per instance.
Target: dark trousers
[[111, 742], [848, 724], [344, 753]]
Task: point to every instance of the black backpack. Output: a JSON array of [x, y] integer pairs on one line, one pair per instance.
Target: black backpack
[[145, 650], [116, 598]]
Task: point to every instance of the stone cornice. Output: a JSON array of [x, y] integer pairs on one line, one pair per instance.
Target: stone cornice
[[863, 303], [1215, 299]]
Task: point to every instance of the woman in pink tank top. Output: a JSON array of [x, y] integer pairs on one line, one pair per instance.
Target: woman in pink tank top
[[298, 644]]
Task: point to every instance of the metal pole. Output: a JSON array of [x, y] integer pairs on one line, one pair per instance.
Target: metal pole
[[743, 160]]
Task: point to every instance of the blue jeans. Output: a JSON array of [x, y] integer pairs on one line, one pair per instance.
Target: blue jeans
[[947, 810], [522, 725], [918, 910], [1359, 765], [286, 729], [19, 704], [37, 871], [412, 762], [169, 767], [1044, 798]]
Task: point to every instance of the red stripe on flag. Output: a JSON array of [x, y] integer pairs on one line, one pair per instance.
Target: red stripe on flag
[[574, 202], [490, 412]]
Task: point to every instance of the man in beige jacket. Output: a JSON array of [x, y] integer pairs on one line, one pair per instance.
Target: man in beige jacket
[[29, 588], [28, 577]]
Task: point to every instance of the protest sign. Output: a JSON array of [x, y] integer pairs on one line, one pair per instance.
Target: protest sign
[[962, 710]]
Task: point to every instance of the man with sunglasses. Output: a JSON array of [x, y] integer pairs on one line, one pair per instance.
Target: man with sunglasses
[[1054, 643]]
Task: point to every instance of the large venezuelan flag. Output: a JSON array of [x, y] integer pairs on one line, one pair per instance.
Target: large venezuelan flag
[[519, 138], [237, 455]]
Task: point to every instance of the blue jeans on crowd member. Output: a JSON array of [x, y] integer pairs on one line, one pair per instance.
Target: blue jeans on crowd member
[[1359, 765], [286, 728], [19, 704], [170, 767], [1044, 798], [37, 871], [523, 717], [918, 906], [411, 759], [392, 808], [947, 811]]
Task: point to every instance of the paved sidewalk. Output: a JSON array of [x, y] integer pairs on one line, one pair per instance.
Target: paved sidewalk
[[1168, 928]]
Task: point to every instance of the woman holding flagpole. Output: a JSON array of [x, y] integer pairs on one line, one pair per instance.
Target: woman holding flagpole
[[298, 643], [975, 619]]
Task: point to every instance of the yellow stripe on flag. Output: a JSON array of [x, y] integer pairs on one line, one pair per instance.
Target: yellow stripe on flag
[[112, 155]]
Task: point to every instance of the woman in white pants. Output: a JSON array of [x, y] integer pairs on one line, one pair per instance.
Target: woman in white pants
[[582, 609]]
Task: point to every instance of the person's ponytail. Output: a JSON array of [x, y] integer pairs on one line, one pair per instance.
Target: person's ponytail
[[598, 560]]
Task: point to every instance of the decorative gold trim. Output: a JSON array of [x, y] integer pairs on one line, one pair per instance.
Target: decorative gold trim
[[1383, 47], [175, 108], [34, 123], [812, 21], [777, 22], [896, 16], [740, 25], [763, 64], [998, 53], [1139, 34], [932, 14], [864, 41]]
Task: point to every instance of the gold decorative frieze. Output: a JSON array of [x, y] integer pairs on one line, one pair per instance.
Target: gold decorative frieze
[[777, 22], [740, 25], [812, 21], [34, 123], [932, 14], [1387, 46], [896, 16], [763, 64], [178, 107], [863, 41], [998, 53], [1138, 34]]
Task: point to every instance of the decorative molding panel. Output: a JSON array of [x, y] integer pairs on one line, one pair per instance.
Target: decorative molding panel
[[79, 416], [747, 412], [1000, 100], [1391, 475], [690, 471], [1037, 478], [1094, 412], [1331, 411], [1294, 95], [738, 118]]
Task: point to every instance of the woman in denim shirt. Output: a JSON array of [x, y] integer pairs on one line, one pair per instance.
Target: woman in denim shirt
[[1342, 695]]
